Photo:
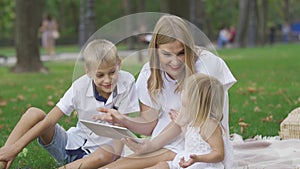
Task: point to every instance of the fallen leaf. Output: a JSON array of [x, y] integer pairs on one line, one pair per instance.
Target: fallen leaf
[[257, 109], [267, 119], [21, 97], [50, 103], [1, 126], [251, 89]]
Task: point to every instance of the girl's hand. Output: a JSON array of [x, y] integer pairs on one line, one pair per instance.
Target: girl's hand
[[191, 161], [110, 115], [173, 114], [145, 145]]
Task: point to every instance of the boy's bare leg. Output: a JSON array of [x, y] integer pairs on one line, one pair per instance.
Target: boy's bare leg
[[102, 156], [138, 162], [29, 119]]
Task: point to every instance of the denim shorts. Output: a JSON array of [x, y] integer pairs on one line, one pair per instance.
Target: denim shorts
[[57, 147]]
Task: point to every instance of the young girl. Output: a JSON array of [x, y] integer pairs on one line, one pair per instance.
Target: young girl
[[200, 116], [173, 58], [103, 85]]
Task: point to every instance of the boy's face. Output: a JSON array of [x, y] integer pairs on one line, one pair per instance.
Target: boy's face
[[106, 78]]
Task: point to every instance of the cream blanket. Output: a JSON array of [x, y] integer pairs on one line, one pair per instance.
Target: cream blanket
[[266, 154]]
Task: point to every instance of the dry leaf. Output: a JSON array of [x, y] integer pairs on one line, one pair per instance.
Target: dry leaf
[[3, 102], [251, 89], [49, 87], [243, 126], [257, 109], [267, 119], [21, 97], [1, 126], [50, 103]]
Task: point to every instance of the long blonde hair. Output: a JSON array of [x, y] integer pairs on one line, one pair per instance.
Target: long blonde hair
[[170, 28], [204, 107]]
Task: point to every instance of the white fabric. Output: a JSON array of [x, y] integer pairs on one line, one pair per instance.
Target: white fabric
[[80, 97], [207, 63], [194, 144], [266, 154]]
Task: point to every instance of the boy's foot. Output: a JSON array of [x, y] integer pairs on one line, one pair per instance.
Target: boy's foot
[[2, 164]]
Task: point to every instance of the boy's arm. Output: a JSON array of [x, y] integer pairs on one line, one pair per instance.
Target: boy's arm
[[143, 124], [8, 153]]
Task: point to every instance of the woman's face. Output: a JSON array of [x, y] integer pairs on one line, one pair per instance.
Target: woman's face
[[172, 58]]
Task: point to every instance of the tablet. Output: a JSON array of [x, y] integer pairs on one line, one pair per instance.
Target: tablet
[[107, 130]]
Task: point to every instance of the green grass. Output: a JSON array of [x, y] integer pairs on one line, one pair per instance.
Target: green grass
[[268, 86]]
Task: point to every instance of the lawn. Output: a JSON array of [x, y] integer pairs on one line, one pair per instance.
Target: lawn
[[268, 88]]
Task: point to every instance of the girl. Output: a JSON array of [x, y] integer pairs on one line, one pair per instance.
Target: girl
[[173, 58], [200, 116]]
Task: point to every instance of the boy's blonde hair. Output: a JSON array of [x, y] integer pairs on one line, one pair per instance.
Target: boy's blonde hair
[[170, 28], [99, 52], [204, 107]]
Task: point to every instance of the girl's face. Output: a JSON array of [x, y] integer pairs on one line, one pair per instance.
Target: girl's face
[[172, 58], [106, 79]]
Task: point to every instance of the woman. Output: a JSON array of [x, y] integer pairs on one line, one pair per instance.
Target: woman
[[49, 26], [173, 58]]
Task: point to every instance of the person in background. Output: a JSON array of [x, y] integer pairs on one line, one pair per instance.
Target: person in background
[[103, 85], [286, 29], [49, 33], [224, 36], [173, 58]]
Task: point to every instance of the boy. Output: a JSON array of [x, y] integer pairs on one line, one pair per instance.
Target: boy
[[104, 85]]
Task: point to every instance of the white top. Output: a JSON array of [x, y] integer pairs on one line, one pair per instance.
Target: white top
[[208, 63], [195, 144], [80, 97]]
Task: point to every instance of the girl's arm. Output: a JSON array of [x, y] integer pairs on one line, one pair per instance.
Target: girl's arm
[[217, 151]]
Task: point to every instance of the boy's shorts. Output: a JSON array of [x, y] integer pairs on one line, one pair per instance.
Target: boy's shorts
[[57, 147]]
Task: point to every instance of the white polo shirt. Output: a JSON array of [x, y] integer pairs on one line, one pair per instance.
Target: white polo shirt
[[209, 64], [80, 98]]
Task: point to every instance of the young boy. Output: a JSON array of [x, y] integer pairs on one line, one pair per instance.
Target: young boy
[[104, 85]]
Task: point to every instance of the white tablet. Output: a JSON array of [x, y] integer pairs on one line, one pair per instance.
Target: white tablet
[[106, 130]]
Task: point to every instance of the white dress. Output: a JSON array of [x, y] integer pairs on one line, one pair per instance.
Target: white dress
[[194, 144]]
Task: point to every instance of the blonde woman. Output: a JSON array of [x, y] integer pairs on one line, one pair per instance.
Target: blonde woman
[[173, 58]]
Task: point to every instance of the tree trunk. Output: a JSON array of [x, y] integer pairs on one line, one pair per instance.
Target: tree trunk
[[242, 23], [87, 24], [176, 7], [263, 22], [28, 17], [253, 23]]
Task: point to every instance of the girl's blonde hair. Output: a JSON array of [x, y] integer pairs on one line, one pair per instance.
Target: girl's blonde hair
[[99, 52], [204, 107], [170, 28]]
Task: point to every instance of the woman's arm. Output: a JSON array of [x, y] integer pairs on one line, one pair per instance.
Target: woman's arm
[[166, 136]]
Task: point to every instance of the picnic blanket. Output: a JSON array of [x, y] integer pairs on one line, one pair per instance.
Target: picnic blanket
[[266, 154]]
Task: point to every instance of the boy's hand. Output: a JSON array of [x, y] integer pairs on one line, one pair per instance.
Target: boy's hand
[[144, 146], [7, 156], [110, 115]]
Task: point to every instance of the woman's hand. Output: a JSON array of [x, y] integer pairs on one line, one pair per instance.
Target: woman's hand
[[144, 146], [110, 115]]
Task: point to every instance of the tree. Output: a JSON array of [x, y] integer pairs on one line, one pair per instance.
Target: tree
[[242, 23], [253, 22], [87, 23], [28, 18]]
